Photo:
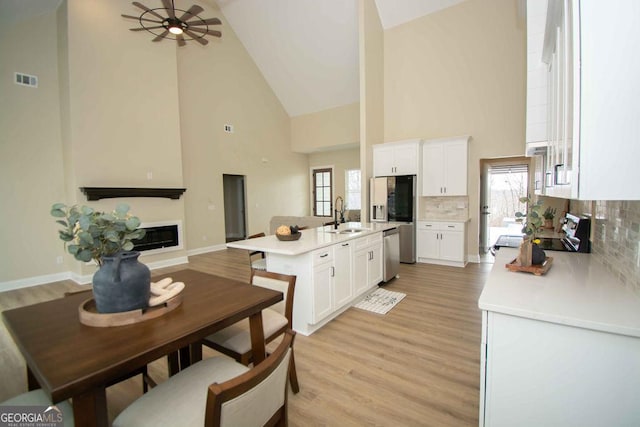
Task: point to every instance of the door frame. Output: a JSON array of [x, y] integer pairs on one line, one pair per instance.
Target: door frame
[[235, 205], [485, 164]]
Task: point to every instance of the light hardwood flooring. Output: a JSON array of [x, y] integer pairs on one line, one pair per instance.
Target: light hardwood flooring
[[418, 365]]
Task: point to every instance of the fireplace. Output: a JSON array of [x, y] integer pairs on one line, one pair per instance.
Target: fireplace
[[160, 237]]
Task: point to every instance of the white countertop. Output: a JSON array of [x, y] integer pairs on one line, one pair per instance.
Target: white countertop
[[577, 291], [311, 239]]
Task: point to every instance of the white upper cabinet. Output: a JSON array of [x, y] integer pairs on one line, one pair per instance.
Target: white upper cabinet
[[396, 158], [537, 116], [444, 167], [594, 99]]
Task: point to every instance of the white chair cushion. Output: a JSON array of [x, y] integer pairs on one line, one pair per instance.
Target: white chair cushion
[[181, 400], [39, 397], [259, 264], [237, 337]]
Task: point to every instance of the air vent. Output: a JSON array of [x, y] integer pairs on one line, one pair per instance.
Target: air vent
[[26, 80]]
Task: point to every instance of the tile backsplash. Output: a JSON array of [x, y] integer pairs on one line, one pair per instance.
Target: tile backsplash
[[615, 236], [450, 207]]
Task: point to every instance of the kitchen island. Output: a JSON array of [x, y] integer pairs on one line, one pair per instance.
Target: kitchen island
[[559, 349], [334, 268]]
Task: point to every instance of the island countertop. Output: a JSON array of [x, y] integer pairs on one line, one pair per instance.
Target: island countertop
[[312, 238], [576, 291]]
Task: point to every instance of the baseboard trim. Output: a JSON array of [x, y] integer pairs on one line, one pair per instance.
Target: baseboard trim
[[473, 258], [200, 251], [80, 279], [34, 281]]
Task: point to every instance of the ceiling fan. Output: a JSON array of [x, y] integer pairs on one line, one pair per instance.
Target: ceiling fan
[[189, 23]]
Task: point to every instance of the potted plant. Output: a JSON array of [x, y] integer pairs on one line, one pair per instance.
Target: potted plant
[[530, 252], [121, 282], [548, 215]]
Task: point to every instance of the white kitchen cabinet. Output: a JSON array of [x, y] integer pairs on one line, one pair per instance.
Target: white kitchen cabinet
[[367, 263], [342, 283], [323, 272], [441, 243], [444, 167], [537, 115], [396, 158], [562, 349], [332, 279], [539, 373], [593, 99], [539, 175]]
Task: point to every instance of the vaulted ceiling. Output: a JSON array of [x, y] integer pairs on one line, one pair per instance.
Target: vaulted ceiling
[[307, 50]]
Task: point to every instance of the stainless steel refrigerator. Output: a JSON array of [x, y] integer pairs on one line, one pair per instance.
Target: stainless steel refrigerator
[[393, 199]]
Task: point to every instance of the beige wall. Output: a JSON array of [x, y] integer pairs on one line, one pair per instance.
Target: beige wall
[[460, 71], [372, 81], [31, 174], [329, 129], [340, 161], [113, 107], [220, 84]]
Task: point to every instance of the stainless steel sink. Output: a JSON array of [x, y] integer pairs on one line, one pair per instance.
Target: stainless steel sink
[[345, 231], [350, 231]]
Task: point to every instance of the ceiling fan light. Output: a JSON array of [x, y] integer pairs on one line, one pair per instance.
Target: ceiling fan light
[[175, 30]]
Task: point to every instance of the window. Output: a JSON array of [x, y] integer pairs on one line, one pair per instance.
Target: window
[[352, 188], [322, 181]]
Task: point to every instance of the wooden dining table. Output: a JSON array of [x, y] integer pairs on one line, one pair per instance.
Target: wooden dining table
[[68, 359]]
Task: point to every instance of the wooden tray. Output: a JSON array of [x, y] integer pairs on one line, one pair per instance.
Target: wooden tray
[[89, 314], [538, 269]]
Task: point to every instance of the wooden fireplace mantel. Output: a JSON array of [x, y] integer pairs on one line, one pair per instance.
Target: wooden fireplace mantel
[[97, 193]]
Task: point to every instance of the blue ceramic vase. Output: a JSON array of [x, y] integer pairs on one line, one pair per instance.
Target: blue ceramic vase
[[121, 284]]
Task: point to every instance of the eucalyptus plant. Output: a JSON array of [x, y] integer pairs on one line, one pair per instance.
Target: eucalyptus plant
[[532, 218], [89, 234]]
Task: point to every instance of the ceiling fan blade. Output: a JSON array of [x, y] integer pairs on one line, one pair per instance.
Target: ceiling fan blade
[[181, 41], [145, 28], [142, 19], [167, 5], [193, 11], [145, 8], [210, 32], [160, 36], [197, 38], [210, 21]]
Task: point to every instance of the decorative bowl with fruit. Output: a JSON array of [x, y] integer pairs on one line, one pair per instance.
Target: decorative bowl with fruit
[[288, 233]]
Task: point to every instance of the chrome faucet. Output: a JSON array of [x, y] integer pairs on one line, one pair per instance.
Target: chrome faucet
[[335, 212]]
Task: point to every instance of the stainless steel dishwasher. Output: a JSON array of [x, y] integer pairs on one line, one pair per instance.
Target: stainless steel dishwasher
[[391, 253]]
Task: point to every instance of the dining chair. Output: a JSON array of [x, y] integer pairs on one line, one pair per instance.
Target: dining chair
[[257, 259], [217, 391], [39, 398], [235, 340]]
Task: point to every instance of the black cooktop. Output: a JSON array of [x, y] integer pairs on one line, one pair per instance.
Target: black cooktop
[[546, 243]]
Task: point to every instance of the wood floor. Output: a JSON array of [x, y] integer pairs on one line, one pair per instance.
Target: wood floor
[[418, 365]]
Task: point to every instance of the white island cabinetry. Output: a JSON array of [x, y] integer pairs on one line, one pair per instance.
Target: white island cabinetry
[[367, 263], [561, 349], [332, 269]]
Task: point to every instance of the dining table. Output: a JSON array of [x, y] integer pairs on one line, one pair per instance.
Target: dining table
[[68, 359]]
